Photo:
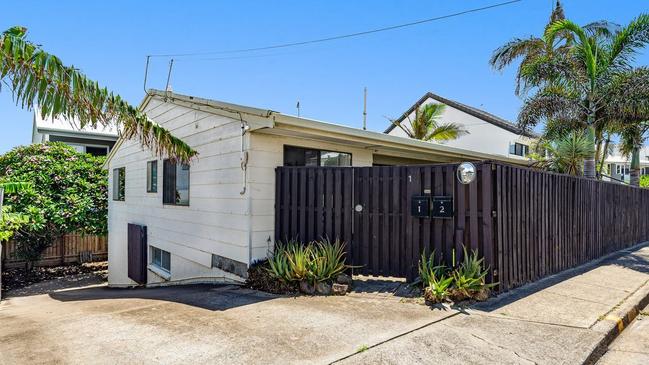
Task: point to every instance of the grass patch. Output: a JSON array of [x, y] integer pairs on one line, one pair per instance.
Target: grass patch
[[362, 348]]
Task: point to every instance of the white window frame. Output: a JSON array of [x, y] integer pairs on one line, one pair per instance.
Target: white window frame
[[159, 264]]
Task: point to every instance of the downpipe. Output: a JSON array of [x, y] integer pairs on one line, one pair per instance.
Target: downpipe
[[244, 155]]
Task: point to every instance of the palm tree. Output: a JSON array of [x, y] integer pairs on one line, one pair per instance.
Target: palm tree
[[529, 51], [427, 127], [38, 78], [565, 154], [630, 93], [576, 90]]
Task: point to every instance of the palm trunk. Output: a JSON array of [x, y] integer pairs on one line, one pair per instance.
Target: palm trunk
[[589, 163], [635, 167], [604, 153]]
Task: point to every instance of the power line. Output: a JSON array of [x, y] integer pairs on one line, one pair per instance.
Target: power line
[[338, 37]]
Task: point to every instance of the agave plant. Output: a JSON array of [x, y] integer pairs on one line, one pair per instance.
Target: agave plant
[[278, 265], [329, 259], [438, 289], [469, 277], [428, 270]]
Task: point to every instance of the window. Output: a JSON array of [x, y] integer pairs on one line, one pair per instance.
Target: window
[[119, 184], [175, 188], [161, 259], [297, 156], [152, 177], [519, 149], [97, 151]]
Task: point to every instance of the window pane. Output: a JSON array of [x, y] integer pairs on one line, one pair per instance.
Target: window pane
[[97, 151], [119, 183], [335, 159], [166, 260], [168, 182], [293, 156], [152, 176], [182, 184], [311, 157], [157, 256]]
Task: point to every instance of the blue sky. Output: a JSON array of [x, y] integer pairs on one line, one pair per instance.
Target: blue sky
[[109, 42]]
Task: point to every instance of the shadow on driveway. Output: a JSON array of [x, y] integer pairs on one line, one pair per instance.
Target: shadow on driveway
[[222, 297]]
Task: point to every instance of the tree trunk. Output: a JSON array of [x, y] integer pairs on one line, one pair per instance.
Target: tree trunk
[[599, 139], [635, 167], [589, 163], [604, 153]]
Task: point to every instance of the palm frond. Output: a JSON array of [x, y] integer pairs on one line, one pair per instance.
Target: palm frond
[[446, 132], [590, 59], [38, 78], [629, 39]]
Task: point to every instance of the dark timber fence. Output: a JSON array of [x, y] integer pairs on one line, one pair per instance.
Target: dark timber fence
[[527, 224]]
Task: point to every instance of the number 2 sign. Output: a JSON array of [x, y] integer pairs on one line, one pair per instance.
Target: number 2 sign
[[442, 207]]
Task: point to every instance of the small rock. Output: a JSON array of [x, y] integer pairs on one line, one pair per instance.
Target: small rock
[[306, 287], [339, 289], [344, 279], [323, 288]]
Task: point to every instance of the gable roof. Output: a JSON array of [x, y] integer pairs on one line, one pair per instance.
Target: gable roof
[[478, 113], [266, 120]]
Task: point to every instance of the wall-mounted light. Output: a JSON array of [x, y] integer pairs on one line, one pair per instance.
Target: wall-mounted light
[[466, 172]]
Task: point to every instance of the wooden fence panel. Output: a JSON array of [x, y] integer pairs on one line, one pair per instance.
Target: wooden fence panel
[[552, 222], [527, 224], [369, 209], [70, 248]]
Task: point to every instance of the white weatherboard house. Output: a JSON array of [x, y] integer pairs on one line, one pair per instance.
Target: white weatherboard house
[[487, 132], [619, 166], [208, 221], [95, 141]]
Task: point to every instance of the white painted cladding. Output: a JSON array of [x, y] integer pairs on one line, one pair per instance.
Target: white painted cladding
[[219, 220], [483, 136]]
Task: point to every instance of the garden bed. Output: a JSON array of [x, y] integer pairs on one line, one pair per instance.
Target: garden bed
[[17, 278], [316, 267]]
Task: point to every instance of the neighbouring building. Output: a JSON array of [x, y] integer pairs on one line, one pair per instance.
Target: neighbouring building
[[95, 141], [487, 132], [208, 221], [619, 166]]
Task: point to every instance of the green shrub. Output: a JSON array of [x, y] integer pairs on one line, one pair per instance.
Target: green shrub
[[316, 261], [644, 181], [68, 194]]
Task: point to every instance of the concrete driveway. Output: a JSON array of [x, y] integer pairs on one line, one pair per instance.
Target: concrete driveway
[[199, 324], [564, 319]]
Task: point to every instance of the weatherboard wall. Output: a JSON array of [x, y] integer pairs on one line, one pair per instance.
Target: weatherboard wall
[[216, 222]]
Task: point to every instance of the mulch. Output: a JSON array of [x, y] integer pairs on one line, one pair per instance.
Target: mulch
[[17, 278], [260, 279]]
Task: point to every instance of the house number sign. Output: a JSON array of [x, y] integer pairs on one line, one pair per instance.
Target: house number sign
[[442, 207]]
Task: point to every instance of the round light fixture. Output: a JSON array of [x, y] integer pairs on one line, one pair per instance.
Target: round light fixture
[[466, 172]]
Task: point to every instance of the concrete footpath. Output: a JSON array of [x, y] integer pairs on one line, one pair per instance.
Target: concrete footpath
[[569, 318]]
